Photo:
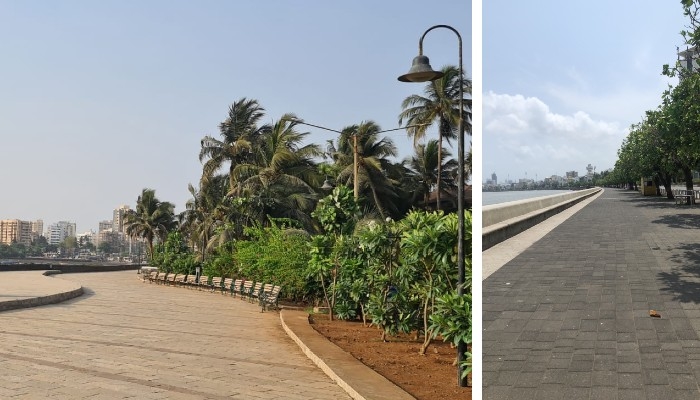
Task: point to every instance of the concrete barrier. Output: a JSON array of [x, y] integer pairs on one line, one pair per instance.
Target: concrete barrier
[[67, 268], [503, 221], [33, 289]]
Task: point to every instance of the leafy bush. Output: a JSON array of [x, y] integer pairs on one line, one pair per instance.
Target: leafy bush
[[222, 263], [174, 256], [275, 255]]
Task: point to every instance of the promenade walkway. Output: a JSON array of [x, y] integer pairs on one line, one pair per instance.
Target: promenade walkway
[[569, 318], [124, 339]]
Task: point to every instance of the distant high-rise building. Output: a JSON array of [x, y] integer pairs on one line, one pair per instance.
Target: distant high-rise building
[[494, 179], [15, 231], [59, 231], [118, 218], [38, 227], [104, 225]]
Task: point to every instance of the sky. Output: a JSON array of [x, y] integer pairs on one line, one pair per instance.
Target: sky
[[563, 81], [99, 100]]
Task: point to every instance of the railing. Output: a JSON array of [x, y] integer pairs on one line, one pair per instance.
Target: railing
[[680, 192]]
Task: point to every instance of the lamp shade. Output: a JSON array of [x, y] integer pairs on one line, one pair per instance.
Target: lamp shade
[[421, 71], [327, 185]]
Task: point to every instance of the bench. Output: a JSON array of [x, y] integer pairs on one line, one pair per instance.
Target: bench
[[161, 277], [144, 273], [190, 281], [685, 197], [270, 299], [236, 287], [215, 283], [227, 286], [245, 288], [180, 279], [170, 280], [204, 281], [255, 291], [260, 295], [151, 276]]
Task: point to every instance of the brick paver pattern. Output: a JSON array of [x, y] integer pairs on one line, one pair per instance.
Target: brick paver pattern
[[569, 317], [125, 339]]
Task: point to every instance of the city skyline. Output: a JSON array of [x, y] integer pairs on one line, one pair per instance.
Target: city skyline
[[40, 227], [525, 175]]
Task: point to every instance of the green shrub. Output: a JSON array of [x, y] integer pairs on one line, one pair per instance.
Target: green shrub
[[174, 256], [276, 255]]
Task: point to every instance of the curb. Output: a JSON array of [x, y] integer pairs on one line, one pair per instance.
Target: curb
[[41, 300], [357, 379], [501, 231]]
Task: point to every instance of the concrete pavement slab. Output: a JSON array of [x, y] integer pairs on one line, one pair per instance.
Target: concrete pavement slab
[[569, 315], [127, 339]]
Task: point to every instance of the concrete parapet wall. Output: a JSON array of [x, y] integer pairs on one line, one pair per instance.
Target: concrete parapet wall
[[68, 268], [503, 221], [35, 289]]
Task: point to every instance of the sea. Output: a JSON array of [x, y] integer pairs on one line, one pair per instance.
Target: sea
[[488, 198]]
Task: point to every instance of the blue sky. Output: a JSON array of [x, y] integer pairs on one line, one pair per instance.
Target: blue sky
[[563, 81], [99, 100]]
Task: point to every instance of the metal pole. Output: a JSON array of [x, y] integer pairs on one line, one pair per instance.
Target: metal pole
[[355, 169], [461, 346]]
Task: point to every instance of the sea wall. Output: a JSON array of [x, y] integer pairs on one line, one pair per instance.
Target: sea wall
[[67, 267], [503, 221]]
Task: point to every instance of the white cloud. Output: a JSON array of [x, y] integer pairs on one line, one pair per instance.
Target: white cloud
[[516, 114], [525, 134]]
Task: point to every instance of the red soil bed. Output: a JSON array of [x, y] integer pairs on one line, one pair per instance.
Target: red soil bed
[[428, 377]]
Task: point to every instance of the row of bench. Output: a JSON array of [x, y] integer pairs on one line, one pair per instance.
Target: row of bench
[[266, 294]]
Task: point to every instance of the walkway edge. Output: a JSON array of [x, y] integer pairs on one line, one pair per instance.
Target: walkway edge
[[357, 379], [503, 230], [42, 300], [499, 255]]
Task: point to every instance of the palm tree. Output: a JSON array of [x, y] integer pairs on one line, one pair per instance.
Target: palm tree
[[373, 162], [427, 170], [240, 133], [440, 105], [152, 218], [201, 217], [282, 175]]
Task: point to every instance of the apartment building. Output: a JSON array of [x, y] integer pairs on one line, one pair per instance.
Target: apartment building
[[15, 231], [118, 218], [59, 231]]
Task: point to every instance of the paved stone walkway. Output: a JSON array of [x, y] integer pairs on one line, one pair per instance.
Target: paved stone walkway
[[569, 317], [124, 339]]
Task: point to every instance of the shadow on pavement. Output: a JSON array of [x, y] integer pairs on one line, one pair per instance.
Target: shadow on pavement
[[679, 221], [658, 202], [684, 281]]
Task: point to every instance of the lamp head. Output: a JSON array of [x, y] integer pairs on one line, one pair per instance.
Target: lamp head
[[421, 71], [327, 185]]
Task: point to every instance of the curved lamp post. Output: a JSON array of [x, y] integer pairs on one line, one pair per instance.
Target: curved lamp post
[[421, 71]]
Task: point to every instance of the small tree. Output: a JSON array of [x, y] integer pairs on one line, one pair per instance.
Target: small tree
[[337, 214], [428, 249]]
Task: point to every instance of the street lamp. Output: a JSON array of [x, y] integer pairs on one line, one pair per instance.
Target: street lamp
[[355, 163], [421, 71]]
